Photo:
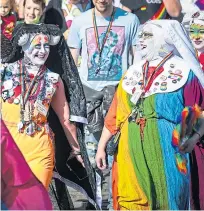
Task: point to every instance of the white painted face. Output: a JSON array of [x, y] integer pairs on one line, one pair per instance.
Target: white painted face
[[38, 50], [197, 34], [146, 41]]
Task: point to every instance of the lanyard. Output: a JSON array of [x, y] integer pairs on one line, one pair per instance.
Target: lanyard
[[25, 94], [148, 81], [100, 49]]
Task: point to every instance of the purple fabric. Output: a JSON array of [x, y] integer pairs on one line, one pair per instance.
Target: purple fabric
[[19, 187], [194, 94], [200, 4]]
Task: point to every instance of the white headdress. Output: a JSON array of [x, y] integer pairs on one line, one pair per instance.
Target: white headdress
[[27, 37], [189, 6], [193, 15], [172, 34], [198, 16]]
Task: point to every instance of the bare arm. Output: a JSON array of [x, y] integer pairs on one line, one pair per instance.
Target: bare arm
[[173, 7], [61, 107], [101, 154], [105, 137], [126, 8], [75, 55], [21, 9]]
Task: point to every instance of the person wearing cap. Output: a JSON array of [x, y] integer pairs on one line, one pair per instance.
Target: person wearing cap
[[151, 171]]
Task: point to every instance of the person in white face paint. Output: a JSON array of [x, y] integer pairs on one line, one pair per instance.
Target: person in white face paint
[[150, 170], [28, 91], [40, 79]]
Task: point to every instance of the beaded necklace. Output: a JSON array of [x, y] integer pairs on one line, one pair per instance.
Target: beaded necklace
[[100, 49], [26, 108]]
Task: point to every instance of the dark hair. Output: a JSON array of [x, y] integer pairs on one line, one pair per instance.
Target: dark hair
[[41, 2]]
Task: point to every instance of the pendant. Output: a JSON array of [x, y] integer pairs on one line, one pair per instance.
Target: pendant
[[27, 112], [20, 126], [30, 130]]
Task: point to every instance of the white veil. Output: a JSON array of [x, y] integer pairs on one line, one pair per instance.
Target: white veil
[[170, 33]]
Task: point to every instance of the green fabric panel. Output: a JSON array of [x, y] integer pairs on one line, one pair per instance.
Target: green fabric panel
[[147, 159]]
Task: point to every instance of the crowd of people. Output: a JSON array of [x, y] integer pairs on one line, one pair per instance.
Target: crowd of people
[[88, 85]]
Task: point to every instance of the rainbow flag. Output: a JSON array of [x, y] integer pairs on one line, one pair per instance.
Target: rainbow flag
[[161, 13]]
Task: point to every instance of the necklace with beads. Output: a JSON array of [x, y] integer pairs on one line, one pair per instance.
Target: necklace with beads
[[27, 92], [100, 48]]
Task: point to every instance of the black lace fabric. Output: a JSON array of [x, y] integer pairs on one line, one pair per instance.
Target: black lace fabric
[[53, 14], [6, 48], [60, 61]]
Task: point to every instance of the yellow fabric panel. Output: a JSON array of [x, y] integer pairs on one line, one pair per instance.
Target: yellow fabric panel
[[38, 151], [123, 108], [130, 195]]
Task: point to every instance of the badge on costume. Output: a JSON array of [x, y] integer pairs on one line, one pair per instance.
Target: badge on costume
[[27, 112], [136, 96], [41, 108]]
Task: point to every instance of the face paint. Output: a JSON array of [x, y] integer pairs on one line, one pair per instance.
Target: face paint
[[38, 50], [146, 40], [197, 35]]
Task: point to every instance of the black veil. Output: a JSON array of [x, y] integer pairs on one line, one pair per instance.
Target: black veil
[[53, 14]]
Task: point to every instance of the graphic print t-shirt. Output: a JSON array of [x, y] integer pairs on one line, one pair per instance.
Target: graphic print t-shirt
[[96, 73]]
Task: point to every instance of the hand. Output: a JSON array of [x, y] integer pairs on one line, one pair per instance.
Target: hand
[[79, 158], [77, 155], [189, 145], [101, 159]]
